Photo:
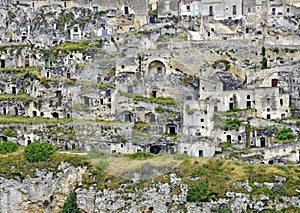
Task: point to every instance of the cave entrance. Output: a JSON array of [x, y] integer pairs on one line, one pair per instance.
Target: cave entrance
[[55, 115], [155, 149]]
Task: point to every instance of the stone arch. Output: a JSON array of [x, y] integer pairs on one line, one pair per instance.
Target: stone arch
[[150, 117], [156, 67], [126, 116], [171, 128]]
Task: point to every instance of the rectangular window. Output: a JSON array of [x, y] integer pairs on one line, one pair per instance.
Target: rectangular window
[[188, 8], [234, 10], [126, 10], [95, 9], [211, 12], [281, 102], [249, 9], [273, 11]]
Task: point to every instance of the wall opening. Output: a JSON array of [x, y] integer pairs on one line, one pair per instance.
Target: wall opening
[[262, 142], [126, 10], [128, 117], [14, 91], [228, 138], [154, 92], [4, 111], [34, 113], [2, 63], [248, 104], [155, 149], [55, 115], [200, 153], [16, 111], [274, 82]]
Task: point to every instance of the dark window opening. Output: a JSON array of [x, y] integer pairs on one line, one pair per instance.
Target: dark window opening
[[16, 111], [273, 11], [268, 116], [262, 142], [230, 106], [65, 4], [101, 101], [234, 10], [211, 12], [42, 114], [200, 153], [281, 102], [58, 93], [34, 113], [126, 10], [159, 70], [75, 31], [4, 111], [2, 63], [215, 108], [172, 130]]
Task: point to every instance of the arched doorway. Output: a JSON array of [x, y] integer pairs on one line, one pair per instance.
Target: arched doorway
[[156, 67]]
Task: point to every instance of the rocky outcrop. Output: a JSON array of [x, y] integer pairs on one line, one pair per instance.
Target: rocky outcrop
[[46, 192]]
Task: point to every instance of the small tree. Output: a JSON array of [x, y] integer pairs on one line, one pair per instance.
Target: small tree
[[263, 51], [39, 151], [70, 206], [264, 63]]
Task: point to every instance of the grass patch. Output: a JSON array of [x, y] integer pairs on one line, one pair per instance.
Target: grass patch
[[140, 155], [158, 100], [4, 119]]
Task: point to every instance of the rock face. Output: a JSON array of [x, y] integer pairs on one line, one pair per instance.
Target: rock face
[[46, 192]]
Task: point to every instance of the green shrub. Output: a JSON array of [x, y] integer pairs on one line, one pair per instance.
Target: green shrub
[[39, 151], [141, 155], [7, 147], [70, 206], [198, 192], [9, 132], [284, 134], [159, 109]]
